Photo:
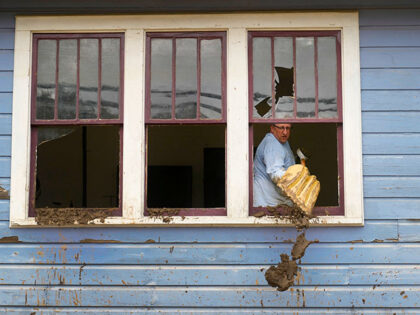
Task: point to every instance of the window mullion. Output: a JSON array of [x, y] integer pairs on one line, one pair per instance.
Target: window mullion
[[237, 125]]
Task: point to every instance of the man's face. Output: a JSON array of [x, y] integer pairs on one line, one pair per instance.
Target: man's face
[[281, 132]]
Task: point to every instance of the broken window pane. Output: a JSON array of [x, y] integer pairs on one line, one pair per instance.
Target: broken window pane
[[110, 87], [262, 77], [67, 78], [46, 71], [284, 77], [78, 167], [186, 78], [186, 166], [88, 90], [305, 77], [211, 79], [161, 78], [327, 77]]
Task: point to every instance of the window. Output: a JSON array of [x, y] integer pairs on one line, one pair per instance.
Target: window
[[76, 122], [176, 120], [295, 77], [186, 122]]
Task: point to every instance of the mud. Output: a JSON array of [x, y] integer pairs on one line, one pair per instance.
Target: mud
[[10, 239], [4, 194], [283, 275], [70, 216], [165, 214]]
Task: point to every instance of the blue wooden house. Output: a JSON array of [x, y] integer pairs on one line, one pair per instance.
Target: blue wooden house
[[127, 132]]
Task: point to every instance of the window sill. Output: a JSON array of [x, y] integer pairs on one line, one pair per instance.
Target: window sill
[[201, 221]]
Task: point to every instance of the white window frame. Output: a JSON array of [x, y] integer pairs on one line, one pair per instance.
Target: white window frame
[[237, 27]]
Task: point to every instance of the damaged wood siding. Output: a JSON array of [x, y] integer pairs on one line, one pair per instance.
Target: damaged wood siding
[[371, 269]]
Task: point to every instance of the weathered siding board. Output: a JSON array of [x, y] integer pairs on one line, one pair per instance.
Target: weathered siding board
[[391, 144], [7, 38], [390, 79], [409, 230], [394, 100], [6, 59], [392, 208], [235, 296], [395, 187], [193, 275], [4, 166], [204, 310], [391, 122], [398, 165], [384, 230], [5, 145], [207, 254], [389, 57], [390, 36], [5, 124], [5, 103], [6, 81]]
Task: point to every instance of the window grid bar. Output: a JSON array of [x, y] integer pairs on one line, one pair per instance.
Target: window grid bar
[[294, 79], [56, 79], [339, 78], [78, 79], [273, 102], [198, 115], [173, 78], [316, 77], [199, 36], [98, 115], [76, 121]]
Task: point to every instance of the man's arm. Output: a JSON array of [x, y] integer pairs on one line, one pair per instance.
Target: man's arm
[[275, 158]]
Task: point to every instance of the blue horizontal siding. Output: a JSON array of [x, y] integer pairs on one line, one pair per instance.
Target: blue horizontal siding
[[398, 165], [5, 145], [391, 144], [4, 210], [6, 60], [208, 254], [390, 57], [392, 208], [392, 100], [373, 230], [409, 230], [4, 166], [6, 103], [5, 124], [395, 187], [6, 81], [390, 36], [241, 296], [7, 38], [391, 122], [148, 310], [390, 79], [193, 275]]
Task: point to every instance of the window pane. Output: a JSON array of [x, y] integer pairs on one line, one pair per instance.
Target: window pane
[[284, 76], [46, 70], [186, 166], [327, 77], [77, 167], [88, 90], [67, 73], [186, 78], [211, 79], [305, 77], [110, 87], [261, 69], [161, 78]]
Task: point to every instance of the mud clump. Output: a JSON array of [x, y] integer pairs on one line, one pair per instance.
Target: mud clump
[[4, 194], [300, 246], [283, 275], [163, 213], [70, 216], [10, 239]]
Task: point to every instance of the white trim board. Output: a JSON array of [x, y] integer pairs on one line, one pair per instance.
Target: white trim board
[[236, 26]]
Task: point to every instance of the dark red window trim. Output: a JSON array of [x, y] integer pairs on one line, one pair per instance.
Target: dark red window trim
[[334, 210], [73, 122], [174, 121]]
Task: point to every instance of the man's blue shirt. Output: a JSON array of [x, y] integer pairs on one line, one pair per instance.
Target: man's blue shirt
[[270, 163]]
